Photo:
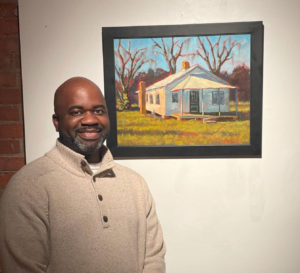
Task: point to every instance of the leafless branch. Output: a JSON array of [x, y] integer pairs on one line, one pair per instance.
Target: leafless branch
[[219, 54], [169, 52]]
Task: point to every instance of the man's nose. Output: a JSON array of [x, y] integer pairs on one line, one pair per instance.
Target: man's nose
[[89, 119]]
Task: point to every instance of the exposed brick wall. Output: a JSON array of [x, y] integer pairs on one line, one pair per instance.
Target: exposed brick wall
[[11, 109]]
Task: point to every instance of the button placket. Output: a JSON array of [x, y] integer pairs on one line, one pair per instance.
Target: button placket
[[105, 220], [103, 212], [85, 168]]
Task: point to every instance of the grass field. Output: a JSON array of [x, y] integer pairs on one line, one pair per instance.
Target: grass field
[[135, 129]]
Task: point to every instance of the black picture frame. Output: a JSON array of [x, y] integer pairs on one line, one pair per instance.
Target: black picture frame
[[254, 149]]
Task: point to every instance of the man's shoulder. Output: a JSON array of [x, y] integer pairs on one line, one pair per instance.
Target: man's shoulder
[[125, 173], [26, 182], [122, 170], [31, 172], [36, 168]]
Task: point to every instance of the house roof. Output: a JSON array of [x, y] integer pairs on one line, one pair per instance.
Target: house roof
[[203, 73], [199, 81], [171, 78]]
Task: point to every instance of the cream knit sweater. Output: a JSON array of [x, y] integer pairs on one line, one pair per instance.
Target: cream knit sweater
[[56, 216]]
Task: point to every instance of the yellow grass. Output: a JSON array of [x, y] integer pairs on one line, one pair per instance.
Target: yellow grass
[[243, 106], [135, 129]]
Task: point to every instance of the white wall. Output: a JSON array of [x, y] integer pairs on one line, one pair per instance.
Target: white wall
[[218, 215]]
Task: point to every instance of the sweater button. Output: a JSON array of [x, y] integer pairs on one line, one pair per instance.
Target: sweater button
[[105, 219], [100, 197]]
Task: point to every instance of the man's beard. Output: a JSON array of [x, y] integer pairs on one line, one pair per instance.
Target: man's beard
[[83, 147]]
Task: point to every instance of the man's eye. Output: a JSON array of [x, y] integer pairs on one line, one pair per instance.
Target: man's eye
[[99, 111], [75, 113]]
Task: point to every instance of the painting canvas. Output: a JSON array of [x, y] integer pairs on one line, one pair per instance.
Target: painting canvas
[[181, 91]]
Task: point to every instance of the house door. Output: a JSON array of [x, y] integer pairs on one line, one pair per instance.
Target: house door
[[194, 101]]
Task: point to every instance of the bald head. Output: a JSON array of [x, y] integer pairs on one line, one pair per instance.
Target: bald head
[[81, 116], [66, 90]]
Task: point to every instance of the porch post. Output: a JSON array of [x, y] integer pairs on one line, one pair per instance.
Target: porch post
[[219, 102], [236, 102], [181, 103], [202, 103]]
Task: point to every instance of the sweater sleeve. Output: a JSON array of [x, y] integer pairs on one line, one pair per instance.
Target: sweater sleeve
[[155, 246], [23, 227]]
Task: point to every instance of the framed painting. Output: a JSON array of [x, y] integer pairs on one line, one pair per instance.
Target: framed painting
[[184, 91]]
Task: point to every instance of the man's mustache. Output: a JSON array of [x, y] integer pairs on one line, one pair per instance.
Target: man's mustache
[[88, 128]]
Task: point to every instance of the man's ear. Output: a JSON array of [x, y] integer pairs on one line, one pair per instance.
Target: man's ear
[[55, 121]]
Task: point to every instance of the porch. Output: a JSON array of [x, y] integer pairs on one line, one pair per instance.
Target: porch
[[196, 85]]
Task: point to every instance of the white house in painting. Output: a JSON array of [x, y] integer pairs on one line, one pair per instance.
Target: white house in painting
[[192, 91]]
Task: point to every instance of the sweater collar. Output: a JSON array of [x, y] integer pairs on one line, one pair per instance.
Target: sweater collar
[[76, 163]]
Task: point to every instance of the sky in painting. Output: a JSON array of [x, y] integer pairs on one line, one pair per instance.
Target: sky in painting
[[240, 54]]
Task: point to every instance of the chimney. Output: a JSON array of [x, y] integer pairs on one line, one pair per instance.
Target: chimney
[[142, 97], [185, 65]]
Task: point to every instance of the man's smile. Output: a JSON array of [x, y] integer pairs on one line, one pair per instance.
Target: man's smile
[[90, 134]]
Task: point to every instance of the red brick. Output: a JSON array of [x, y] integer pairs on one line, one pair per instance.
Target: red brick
[[17, 61], [7, 10], [11, 131], [4, 178], [10, 96], [9, 26], [11, 163], [10, 147], [8, 1], [19, 80], [9, 113], [1, 192], [6, 61], [9, 45], [8, 80]]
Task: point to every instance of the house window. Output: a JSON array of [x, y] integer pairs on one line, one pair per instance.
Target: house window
[[146, 97], [151, 99], [157, 99], [174, 97], [215, 100]]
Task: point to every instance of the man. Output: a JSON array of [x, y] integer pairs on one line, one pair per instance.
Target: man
[[75, 209]]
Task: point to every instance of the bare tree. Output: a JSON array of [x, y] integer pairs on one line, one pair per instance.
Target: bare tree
[[216, 55], [130, 61], [171, 54]]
